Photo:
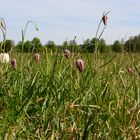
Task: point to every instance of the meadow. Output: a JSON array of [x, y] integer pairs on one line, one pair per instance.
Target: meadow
[[52, 99], [84, 96]]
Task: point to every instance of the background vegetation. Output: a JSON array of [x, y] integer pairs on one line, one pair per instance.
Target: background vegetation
[[35, 45]]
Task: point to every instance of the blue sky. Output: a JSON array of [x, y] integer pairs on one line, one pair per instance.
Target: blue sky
[[59, 20]]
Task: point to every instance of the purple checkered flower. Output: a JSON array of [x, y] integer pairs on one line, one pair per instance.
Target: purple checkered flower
[[80, 65], [14, 63], [37, 57]]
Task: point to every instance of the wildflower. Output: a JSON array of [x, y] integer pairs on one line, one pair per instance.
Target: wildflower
[[67, 53], [14, 63], [105, 19], [80, 65], [4, 57], [37, 57], [130, 70]]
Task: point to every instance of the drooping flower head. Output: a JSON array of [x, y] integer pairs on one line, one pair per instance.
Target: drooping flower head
[[4, 58], [130, 70], [105, 19], [80, 65], [67, 53], [37, 57], [14, 63]]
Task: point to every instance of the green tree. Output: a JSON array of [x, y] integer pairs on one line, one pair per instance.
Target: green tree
[[95, 43], [65, 45], [86, 46], [89, 45], [19, 46], [117, 46], [73, 46], [28, 46], [6, 46], [37, 45], [102, 46], [133, 44], [51, 46]]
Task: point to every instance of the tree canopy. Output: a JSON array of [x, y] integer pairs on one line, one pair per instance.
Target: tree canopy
[[35, 45]]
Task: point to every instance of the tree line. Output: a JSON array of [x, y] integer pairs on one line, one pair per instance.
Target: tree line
[[35, 45]]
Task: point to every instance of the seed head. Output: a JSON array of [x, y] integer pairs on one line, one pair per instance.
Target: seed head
[[67, 53], [2, 24], [37, 57], [80, 65]]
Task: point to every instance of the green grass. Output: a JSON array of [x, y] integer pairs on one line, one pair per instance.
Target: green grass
[[53, 100]]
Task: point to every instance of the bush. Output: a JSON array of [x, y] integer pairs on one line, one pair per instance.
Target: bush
[[6, 46]]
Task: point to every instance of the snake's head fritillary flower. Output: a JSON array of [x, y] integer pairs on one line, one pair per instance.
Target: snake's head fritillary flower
[[67, 53], [14, 63], [105, 19], [37, 57], [80, 65], [130, 70], [4, 58]]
